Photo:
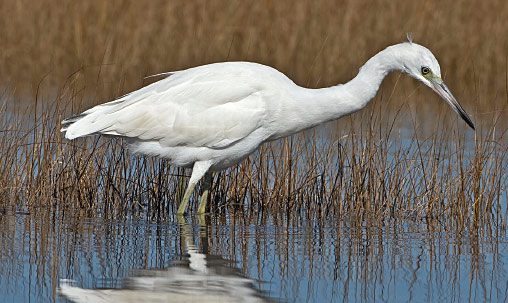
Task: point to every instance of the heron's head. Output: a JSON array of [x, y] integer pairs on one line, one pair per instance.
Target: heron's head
[[421, 64]]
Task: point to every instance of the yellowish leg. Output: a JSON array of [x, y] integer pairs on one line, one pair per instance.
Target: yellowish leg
[[182, 209], [206, 191], [198, 170]]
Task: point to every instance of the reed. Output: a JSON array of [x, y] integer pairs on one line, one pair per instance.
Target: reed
[[364, 183], [371, 164], [110, 46], [368, 171]]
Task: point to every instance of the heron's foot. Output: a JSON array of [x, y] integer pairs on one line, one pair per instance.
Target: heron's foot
[[182, 209], [203, 202], [201, 221], [182, 221]]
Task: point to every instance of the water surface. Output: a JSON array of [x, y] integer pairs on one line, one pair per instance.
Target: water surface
[[255, 259]]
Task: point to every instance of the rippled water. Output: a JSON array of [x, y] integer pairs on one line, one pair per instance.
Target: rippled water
[[231, 259]]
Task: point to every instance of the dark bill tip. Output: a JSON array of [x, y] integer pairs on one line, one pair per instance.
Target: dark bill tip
[[441, 89], [466, 118]]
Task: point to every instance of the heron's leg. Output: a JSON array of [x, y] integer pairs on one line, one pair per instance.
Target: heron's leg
[[207, 181], [198, 170], [182, 208]]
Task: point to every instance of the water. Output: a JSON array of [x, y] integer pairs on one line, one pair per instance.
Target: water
[[233, 258]]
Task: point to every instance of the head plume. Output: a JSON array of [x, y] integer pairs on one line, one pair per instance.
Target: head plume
[[409, 37]]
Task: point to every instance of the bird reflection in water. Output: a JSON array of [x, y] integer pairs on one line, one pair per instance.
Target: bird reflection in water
[[197, 276]]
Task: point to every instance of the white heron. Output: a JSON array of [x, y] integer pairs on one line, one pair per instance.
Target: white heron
[[211, 117]]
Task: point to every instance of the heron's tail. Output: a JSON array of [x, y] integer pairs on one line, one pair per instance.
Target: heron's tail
[[69, 121], [89, 122], [80, 126]]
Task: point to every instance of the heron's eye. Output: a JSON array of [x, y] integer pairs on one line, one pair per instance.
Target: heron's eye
[[425, 70]]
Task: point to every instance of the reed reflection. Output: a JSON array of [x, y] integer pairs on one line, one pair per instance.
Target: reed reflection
[[240, 257], [197, 277]]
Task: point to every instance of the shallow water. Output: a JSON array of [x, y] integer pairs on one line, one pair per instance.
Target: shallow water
[[255, 259]]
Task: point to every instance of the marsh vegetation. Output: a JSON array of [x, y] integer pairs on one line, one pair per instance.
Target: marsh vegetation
[[404, 166]]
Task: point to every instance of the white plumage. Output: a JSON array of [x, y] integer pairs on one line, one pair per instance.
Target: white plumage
[[213, 116]]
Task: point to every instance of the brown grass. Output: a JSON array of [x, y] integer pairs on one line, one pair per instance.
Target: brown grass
[[402, 168], [112, 45], [369, 173], [59, 58]]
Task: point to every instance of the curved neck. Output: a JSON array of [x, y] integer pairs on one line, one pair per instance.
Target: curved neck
[[316, 106], [362, 88]]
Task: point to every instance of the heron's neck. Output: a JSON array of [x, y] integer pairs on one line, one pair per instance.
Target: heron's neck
[[325, 104], [362, 88]]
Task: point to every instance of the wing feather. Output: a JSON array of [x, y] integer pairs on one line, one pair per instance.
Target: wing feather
[[212, 107]]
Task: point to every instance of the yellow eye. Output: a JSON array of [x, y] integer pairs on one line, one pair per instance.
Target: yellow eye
[[425, 70]]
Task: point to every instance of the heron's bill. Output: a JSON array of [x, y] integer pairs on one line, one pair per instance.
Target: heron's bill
[[442, 90]]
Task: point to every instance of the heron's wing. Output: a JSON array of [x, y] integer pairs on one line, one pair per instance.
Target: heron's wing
[[215, 124], [202, 109]]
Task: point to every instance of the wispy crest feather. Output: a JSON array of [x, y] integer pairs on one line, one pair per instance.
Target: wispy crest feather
[[409, 36]]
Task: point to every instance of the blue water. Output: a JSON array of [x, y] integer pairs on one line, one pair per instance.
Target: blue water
[[288, 260]]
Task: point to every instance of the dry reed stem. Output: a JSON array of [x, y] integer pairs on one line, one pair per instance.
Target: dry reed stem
[[368, 166]]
